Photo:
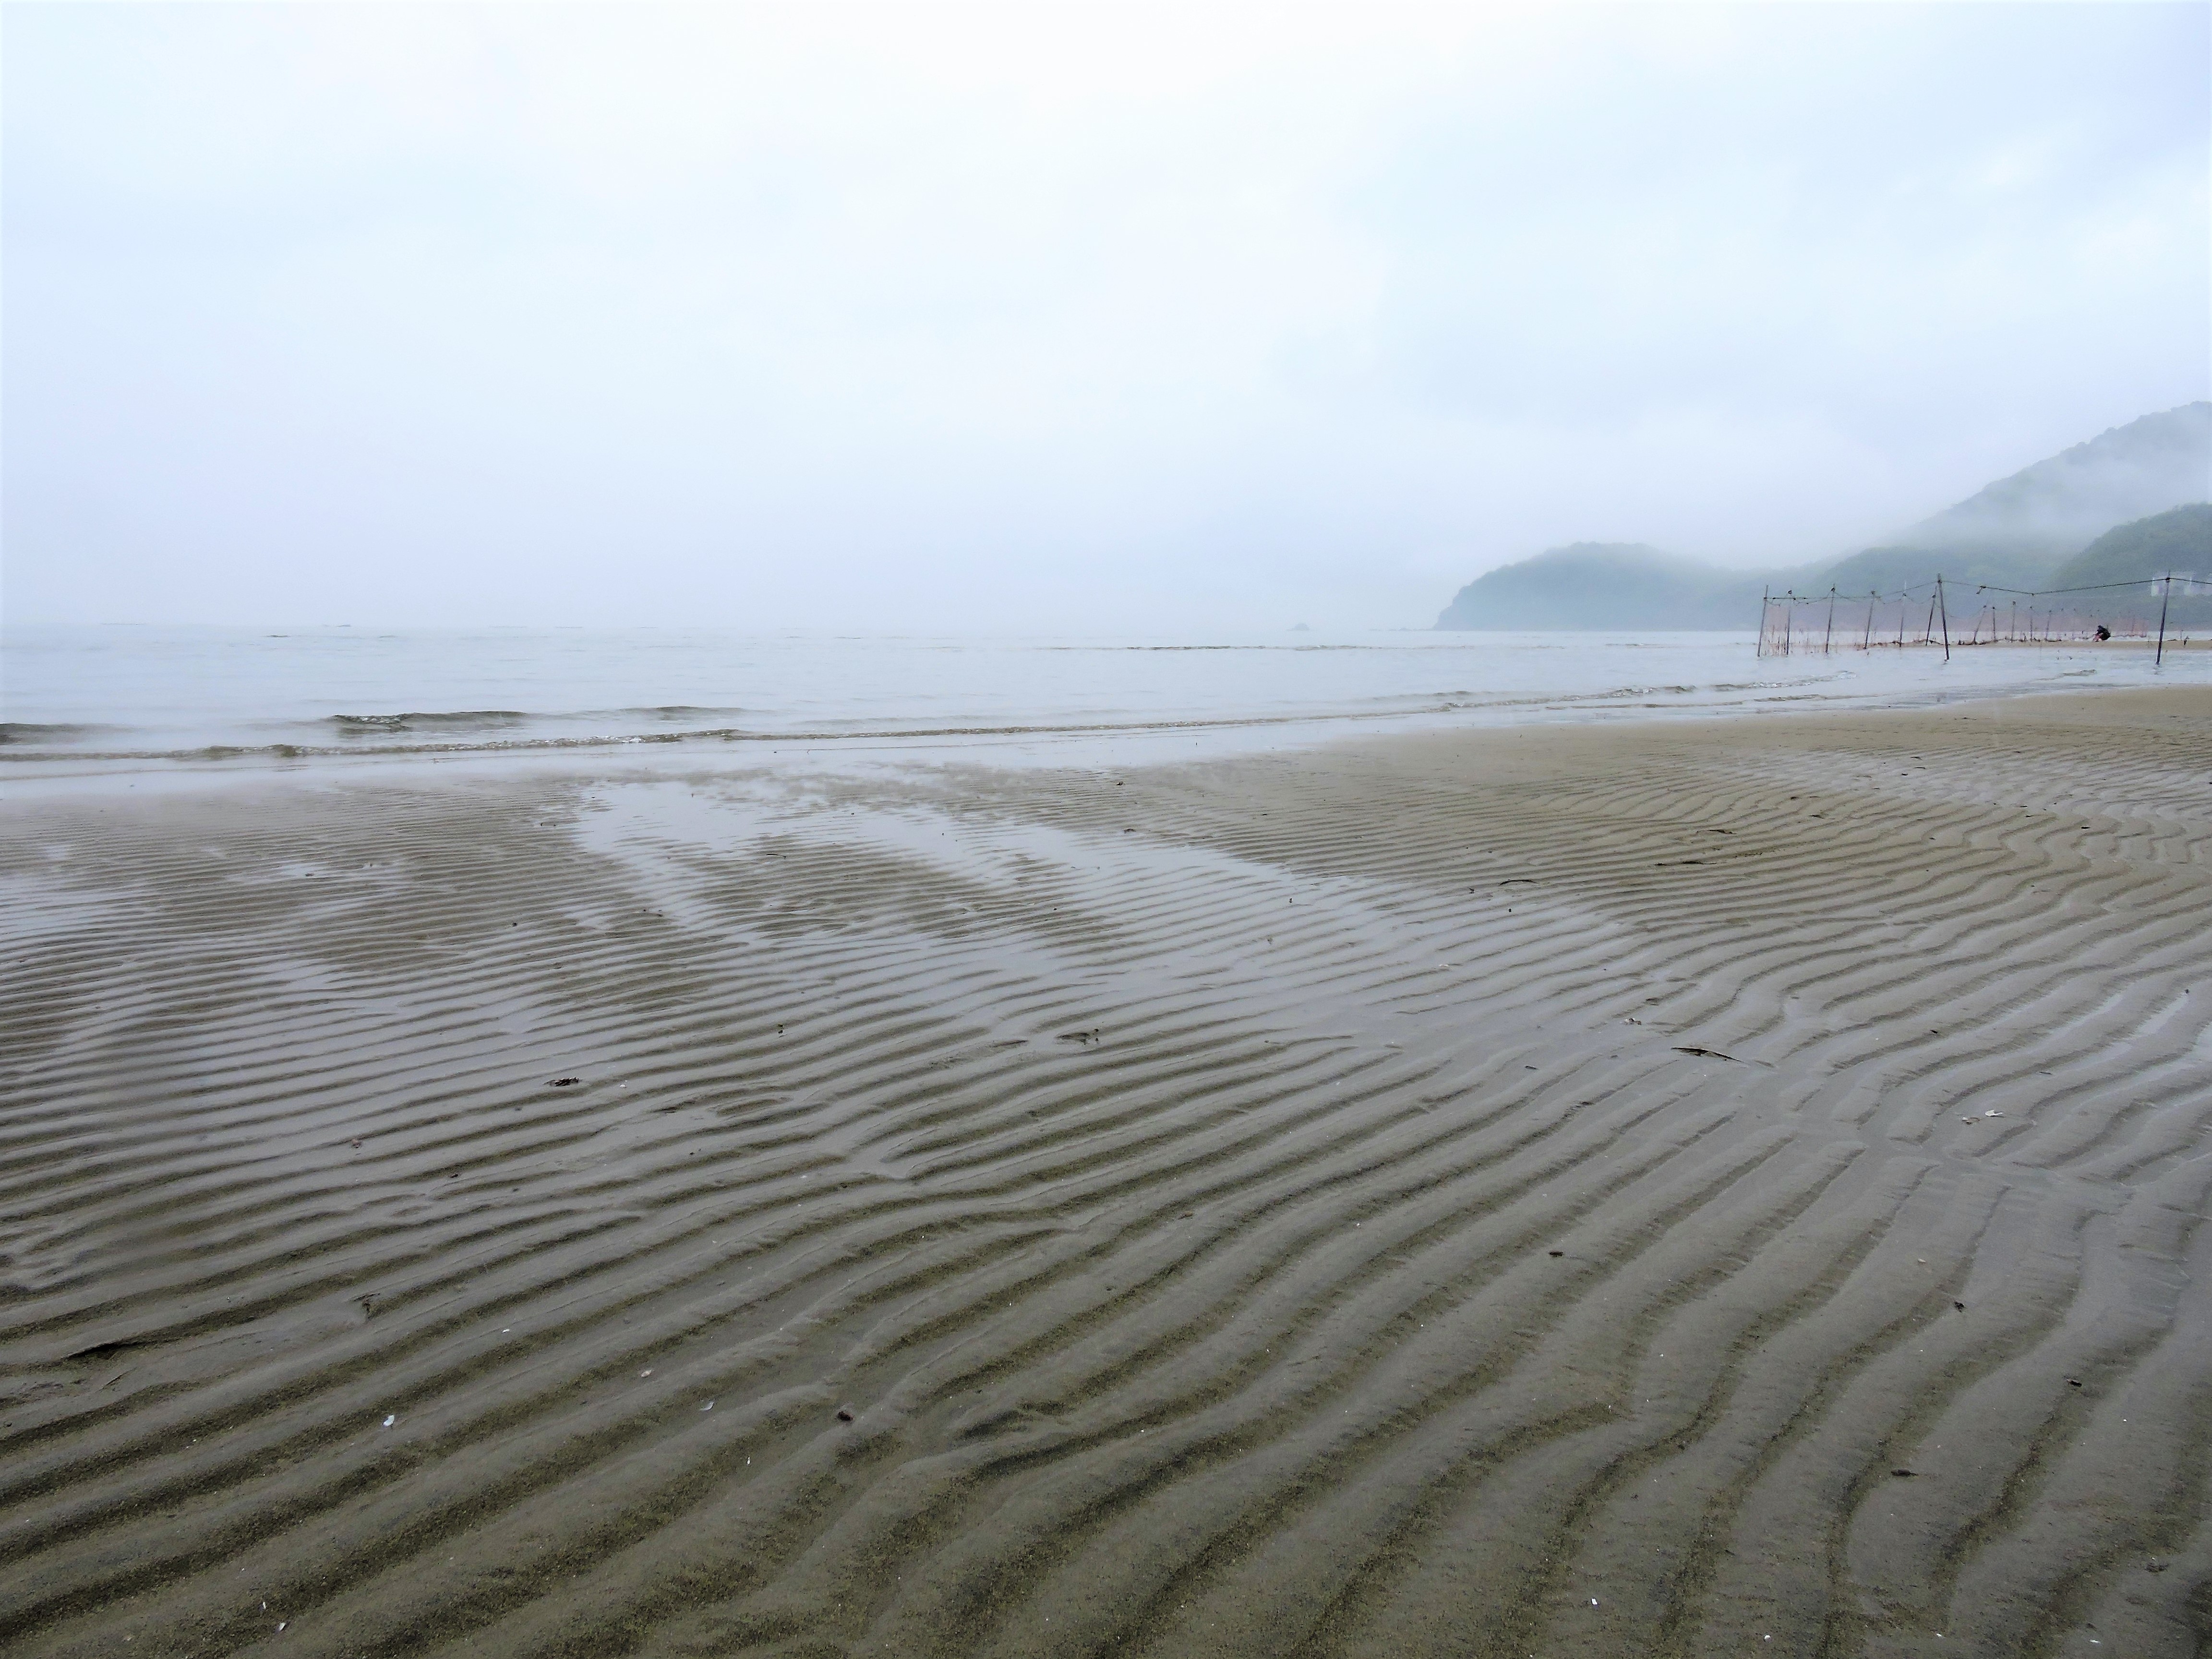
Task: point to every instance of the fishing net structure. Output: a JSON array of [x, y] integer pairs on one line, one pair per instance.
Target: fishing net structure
[[2161, 612]]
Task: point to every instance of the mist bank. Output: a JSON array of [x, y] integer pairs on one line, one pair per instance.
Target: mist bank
[[2128, 504]]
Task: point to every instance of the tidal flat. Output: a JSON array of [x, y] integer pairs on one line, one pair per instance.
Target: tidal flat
[[1671, 1189]]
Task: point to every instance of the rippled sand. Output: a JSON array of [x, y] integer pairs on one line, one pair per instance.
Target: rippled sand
[[1568, 1191]]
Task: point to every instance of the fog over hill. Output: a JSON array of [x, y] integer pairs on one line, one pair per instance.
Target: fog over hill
[[1608, 585], [2015, 532], [2061, 505]]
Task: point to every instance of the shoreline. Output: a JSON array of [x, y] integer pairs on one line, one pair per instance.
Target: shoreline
[[1582, 1188], [1141, 744]]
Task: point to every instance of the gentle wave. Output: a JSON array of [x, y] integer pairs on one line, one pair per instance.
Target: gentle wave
[[1431, 706], [462, 720], [457, 718], [679, 711], [62, 731], [721, 734]]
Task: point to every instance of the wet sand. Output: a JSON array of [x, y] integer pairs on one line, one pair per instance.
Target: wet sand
[[1708, 1188]]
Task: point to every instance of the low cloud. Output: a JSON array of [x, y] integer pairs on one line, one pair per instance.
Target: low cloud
[[1054, 317]]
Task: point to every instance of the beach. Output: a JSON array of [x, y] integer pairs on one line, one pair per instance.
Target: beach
[[1644, 1189]]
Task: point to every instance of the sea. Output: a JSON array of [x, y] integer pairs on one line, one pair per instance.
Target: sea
[[79, 700]]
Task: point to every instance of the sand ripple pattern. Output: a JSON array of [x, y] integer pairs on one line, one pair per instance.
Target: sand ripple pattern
[[1484, 1195]]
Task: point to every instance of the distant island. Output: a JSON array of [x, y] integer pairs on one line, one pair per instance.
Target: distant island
[[2129, 504]]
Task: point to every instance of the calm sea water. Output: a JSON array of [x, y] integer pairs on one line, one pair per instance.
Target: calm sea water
[[133, 697]]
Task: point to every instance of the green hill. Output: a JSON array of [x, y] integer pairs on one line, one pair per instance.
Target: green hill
[[2178, 543]]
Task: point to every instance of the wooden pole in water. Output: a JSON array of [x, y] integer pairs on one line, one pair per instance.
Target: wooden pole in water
[[1765, 618], [1828, 639], [1945, 614], [1866, 644], [2166, 592]]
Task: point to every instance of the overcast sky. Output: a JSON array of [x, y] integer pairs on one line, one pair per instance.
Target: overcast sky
[[1054, 317]]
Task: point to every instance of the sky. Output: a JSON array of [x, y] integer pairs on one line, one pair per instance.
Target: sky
[[1052, 317]]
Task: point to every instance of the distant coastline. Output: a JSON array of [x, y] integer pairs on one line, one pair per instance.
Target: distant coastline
[[2129, 504]]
